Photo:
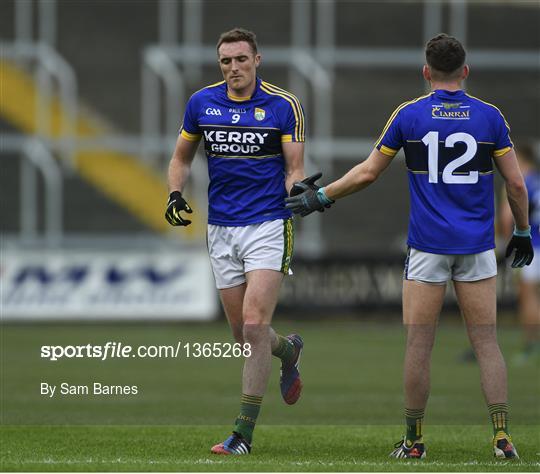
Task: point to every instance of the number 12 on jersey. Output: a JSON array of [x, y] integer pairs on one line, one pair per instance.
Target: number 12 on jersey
[[431, 140]]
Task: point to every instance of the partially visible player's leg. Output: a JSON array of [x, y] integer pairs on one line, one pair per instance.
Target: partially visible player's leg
[[254, 267], [529, 310], [260, 299], [477, 300], [259, 303], [422, 304], [289, 351], [271, 249], [230, 275], [424, 284], [232, 300], [529, 295], [282, 347]]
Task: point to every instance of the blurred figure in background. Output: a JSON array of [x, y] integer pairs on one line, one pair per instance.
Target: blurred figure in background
[[528, 278], [253, 134]]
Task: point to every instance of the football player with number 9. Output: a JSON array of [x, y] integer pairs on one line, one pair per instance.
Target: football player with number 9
[[451, 141], [253, 134]]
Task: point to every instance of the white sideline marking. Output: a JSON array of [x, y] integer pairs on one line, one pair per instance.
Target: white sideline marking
[[274, 462]]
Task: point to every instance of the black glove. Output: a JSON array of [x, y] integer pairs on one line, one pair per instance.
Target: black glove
[[298, 188], [308, 201], [175, 205], [310, 181], [522, 244]]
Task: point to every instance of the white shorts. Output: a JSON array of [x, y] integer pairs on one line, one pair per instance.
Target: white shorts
[[234, 251], [438, 268], [531, 273]]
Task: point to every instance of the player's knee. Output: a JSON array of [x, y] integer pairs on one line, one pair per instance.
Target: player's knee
[[255, 333], [254, 315], [482, 335], [421, 336], [485, 345]]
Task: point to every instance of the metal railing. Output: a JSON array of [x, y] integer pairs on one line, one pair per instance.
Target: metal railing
[[313, 66], [36, 156], [161, 62], [51, 65], [157, 65]]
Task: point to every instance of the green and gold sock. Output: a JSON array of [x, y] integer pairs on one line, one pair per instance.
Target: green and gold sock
[[285, 350], [414, 418], [498, 412], [249, 411]]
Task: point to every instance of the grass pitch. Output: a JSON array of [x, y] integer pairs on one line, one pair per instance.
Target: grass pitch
[[347, 420], [277, 448]]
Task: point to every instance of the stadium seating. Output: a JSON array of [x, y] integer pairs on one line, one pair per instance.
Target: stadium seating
[[104, 41]]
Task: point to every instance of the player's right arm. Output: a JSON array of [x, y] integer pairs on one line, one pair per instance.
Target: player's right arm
[[180, 165], [368, 171], [179, 169], [359, 177]]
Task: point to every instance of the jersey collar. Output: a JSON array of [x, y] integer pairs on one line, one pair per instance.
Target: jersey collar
[[444, 94]]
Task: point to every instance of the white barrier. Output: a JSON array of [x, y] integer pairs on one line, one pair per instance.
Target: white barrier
[[91, 285]]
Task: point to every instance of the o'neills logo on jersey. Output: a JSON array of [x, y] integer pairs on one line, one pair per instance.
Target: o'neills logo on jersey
[[220, 141], [450, 112]]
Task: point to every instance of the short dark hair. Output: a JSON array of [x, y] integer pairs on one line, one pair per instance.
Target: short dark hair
[[445, 55], [238, 34]]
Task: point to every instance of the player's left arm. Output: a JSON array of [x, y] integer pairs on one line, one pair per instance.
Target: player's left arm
[[293, 153], [506, 219], [516, 191], [359, 177]]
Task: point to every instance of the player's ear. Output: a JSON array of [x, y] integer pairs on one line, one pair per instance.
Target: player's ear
[[257, 60], [426, 73], [465, 73]]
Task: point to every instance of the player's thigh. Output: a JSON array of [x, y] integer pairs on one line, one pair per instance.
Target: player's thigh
[[268, 246], [531, 273], [529, 291], [422, 302], [227, 266], [424, 286], [477, 301], [529, 302], [475, 267], [232, 300], [262, 292], [474, 278]]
